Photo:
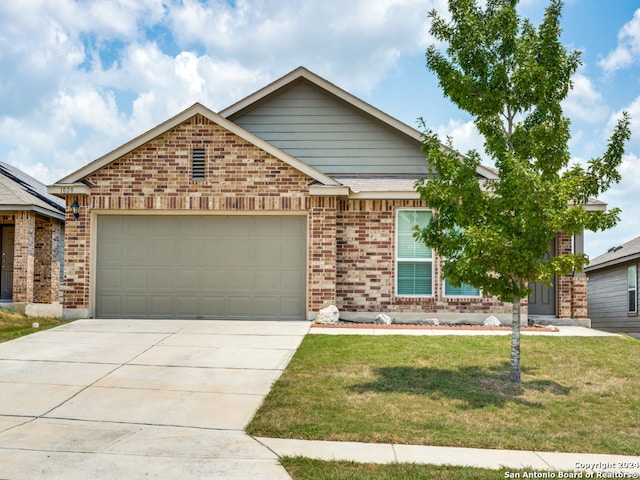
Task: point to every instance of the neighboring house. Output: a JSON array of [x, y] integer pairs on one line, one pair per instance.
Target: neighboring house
[[613, 289], [297, 197], [31, 236]]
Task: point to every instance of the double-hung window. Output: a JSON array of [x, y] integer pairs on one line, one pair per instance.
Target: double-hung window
[[414, 261], [464, 290], [632, 289]]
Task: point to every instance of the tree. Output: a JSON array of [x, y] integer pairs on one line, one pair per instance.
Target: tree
[[512, 78]]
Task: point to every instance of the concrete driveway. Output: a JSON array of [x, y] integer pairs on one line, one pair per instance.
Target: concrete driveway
[[128, 399]]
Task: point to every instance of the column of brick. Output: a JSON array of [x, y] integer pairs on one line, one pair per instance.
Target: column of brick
[[76, 255], [579, 297], [43, 256], [322, 253], [24, 257]]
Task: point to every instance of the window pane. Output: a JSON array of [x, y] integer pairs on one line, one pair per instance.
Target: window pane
[[408, 247], [632, 301], [631, 276], [414, 278], [462, 291]]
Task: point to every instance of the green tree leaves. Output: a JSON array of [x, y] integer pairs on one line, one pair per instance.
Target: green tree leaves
[[511, 77]]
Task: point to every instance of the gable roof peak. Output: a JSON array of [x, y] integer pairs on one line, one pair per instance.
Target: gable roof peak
[[190, 112]]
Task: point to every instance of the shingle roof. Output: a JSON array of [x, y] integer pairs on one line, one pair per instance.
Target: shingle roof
[[19, 191], [619, 254]]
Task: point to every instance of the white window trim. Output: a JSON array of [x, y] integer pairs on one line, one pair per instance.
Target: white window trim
[[397, 260], [634, 289], [444, 292]]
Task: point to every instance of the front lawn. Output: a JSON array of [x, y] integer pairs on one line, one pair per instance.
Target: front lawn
[[577, 394], [14, 325], [307, 469]]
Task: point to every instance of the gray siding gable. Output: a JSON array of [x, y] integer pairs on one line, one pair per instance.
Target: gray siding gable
[[330, 135]]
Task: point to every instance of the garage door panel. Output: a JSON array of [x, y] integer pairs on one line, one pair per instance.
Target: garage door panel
[[112, 305], [111, 278], [158, 252], [189, 251], [214, 279], [240, 306], [187, 279], [135, 305], [201, 267], [111, 253], [290, 280], [267, 280], [290, 305], [212, 303], [133, 278]]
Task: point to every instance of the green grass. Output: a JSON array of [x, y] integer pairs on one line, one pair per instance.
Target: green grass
[[577, 394], [14, 325], [306, 469]]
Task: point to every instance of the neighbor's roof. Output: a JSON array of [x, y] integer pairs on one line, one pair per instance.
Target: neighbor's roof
[[615, 255], [19, 191]]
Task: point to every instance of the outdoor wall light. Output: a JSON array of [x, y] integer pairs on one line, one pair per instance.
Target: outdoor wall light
[[75, 208]]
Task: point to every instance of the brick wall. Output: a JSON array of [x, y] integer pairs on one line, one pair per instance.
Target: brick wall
[[366, 265], [240, 177], [75, 288], [24, 257], [571, 291], [48, 241]]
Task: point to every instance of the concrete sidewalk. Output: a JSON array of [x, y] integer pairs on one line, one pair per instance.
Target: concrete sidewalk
[[472, 457]]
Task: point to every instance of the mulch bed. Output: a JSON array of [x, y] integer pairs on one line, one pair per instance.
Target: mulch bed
[[536, 328]]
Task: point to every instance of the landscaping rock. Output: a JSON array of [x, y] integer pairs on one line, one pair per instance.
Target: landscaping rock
[[383, 319], [492, 321], [430, 321], [328, 316]]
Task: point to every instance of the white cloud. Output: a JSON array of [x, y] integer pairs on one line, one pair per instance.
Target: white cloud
[[633, 109], [584, 102], [628, 50], [464, 135], [354, 43]]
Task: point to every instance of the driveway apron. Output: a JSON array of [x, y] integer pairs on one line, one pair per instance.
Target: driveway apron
[[140, 399]]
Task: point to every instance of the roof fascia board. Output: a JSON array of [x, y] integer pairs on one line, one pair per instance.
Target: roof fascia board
[[183, 116], [32, 208], [386, 195], [331, 190], [613, 262]]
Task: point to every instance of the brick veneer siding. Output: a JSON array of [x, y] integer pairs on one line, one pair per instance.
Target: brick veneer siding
[[75, 288], [571, 290], [24, 257], [47, 260], [366, 265], [240, 178]]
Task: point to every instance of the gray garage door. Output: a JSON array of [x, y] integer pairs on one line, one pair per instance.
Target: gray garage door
[[251, 267]]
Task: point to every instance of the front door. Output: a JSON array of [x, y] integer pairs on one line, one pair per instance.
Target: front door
[[6, 265], [543, 299]]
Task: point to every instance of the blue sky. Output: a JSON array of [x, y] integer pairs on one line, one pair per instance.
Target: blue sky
[[79, 78]]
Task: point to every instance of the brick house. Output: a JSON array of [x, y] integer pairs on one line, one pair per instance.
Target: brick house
[[31, 236], [297, 197]]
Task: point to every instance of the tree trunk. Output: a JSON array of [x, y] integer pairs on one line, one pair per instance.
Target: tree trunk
[[515, 342]]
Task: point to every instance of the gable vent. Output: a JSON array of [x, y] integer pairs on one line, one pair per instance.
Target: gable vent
[[197, 165]]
